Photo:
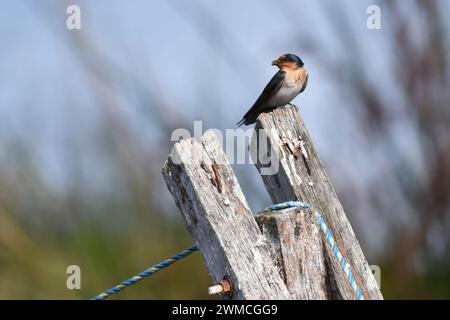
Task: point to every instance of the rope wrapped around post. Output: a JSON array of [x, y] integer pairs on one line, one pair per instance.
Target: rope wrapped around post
[[330, 240]]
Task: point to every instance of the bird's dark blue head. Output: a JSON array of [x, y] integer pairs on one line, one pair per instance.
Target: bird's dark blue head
[[288, 59]]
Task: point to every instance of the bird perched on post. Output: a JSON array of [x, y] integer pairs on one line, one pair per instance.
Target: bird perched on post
[[285, 85]]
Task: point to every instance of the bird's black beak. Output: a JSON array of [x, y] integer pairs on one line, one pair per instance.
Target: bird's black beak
[[275, 63]]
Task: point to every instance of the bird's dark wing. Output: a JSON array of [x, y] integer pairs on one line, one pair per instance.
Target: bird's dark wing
[[261, 103]]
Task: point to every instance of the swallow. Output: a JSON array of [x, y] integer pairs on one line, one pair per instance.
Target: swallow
[[290, 80]]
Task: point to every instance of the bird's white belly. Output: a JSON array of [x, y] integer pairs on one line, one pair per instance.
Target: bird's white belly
[[285, 95]]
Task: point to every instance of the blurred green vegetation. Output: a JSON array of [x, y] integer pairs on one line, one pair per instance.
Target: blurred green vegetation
[[33, 260], [110, 237]]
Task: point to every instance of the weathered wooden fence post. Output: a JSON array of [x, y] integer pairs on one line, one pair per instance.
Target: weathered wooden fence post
[[300, 175], [220, 221], [296, 247], [272, 255]]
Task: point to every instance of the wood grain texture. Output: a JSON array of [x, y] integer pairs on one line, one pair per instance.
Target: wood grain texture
[[297, 248], [301, 176], [219, 219]]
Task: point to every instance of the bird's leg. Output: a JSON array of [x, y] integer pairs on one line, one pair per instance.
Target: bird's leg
[[292, 105]]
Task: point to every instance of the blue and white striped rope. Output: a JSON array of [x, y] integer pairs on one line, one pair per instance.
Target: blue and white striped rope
[[344, 265], [288, 204], [328, 235], [152, 270]]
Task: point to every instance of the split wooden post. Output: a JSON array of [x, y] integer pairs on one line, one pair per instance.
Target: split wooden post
[[300, 175], [289, 245], [297, 248], [219, 219]]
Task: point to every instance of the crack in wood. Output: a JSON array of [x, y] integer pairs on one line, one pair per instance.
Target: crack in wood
[[305, 156], [213, 175], [217, 181]]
